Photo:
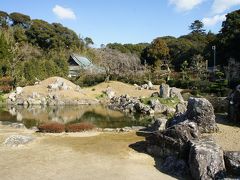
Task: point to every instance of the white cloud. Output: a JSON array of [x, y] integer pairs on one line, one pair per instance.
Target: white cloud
[[219, 6], [211, 21], [185, 5], [63, 13]]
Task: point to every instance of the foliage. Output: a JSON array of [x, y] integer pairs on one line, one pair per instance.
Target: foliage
[[20, 19], [79, 127], [229, 37], [128, 48], [52, 127], [171, 102], [157, 51], [197, 27]]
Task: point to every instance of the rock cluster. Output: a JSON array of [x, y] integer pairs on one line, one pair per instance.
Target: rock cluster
[[52, 98], [148, 86], [129, 104], [186, 150]]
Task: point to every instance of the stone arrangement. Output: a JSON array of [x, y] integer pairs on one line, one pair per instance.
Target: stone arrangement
[[184, 148], [51, 99]]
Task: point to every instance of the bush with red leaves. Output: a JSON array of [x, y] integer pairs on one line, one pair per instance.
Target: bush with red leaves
[[79, 127], [52, 127]]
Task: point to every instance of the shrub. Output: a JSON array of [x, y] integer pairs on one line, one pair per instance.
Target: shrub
[[52, 127], [79, 127]]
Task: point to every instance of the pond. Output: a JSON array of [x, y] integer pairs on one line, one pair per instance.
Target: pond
[[98, 115]]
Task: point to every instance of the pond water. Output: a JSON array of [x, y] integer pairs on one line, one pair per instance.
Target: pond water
[[100, 116]]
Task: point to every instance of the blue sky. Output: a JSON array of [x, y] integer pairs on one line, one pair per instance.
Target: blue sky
[[126, 21]]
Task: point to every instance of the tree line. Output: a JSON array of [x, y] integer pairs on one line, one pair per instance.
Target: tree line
[[33, 49]]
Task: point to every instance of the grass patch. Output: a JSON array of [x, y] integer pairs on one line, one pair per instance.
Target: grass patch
[[2, 99], [171, 102], [101, 96]]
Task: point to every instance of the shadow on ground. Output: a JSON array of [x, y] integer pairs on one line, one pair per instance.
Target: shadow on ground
[[223, 119], [141, 147]]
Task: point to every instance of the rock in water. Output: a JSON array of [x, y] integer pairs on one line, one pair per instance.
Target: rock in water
[[164, 91], [200, 111], [232, 162], [16, 140], [206, 160]]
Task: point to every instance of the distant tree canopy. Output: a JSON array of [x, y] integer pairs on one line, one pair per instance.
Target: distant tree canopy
[[20, 19], [31, 49], [157, 51], [128, 48], [229, 38]]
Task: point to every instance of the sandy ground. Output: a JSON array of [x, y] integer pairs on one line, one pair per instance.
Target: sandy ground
[[88, 156], [228, 136], [98, 156]]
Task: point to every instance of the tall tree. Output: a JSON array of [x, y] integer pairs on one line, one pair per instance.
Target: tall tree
[[157, 51], [197, 27], [229, 38]]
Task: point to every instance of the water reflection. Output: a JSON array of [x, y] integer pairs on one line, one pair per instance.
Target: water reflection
[[98, 115]]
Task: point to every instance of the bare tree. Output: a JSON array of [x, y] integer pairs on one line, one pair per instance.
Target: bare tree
[[117, 64]]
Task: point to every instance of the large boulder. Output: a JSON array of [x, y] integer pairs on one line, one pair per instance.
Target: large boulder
[[157, 106], [181, 108], [164, 90], [200, 111], [232, 162], [174, 166], [175, 92], [206, 160], [172, 141], [17, 140]]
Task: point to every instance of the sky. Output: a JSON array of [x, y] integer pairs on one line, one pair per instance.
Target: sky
[[126, 21]]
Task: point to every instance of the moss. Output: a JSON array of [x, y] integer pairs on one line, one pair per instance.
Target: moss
[[101, 96], [171, 102], [2, 99]]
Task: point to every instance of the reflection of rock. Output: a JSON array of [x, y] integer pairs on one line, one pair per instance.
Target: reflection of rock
[[206, 160], [17, 125], [17, 140]]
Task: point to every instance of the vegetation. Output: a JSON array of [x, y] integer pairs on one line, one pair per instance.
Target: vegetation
[[52, 127], [79, 127], [33, 49]]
